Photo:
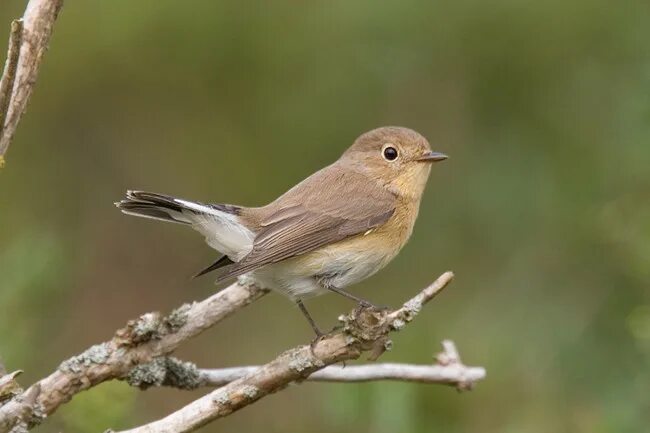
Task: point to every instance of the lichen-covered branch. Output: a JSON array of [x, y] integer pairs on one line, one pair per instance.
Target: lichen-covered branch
[[447, 370], [364, 329], [28, 42], [139, 353], [140, 342]]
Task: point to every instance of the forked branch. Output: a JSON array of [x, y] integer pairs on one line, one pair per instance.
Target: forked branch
[[362, 330]]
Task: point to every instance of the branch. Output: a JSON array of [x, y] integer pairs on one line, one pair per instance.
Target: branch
[[28, 42], [448, 370], [20, 411], [140, 342], [364, 329], [9, 74]]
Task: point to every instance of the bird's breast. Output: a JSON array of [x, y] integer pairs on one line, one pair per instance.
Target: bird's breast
[[349, 261]]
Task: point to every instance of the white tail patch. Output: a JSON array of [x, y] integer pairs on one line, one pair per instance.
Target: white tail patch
[[220, 224], [223, 231]]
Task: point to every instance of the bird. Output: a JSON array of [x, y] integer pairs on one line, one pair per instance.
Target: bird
[[335, 228]]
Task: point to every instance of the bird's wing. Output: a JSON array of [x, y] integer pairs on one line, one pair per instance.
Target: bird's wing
[[313, 216]]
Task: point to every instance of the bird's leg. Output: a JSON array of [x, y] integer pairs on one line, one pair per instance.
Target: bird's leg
[[318, 332], [305, 313], [361, 302]]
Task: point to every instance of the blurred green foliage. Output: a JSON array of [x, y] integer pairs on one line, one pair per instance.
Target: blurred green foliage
[[110, 404], [27, 269], [543, 210]]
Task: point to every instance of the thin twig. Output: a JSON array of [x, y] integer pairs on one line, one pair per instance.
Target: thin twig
[[364, 329], [455, 374], [23, 64], [9, 72]]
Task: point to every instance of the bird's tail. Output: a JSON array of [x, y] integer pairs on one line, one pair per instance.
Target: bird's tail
[[152, 205], [219, 223], [166, 208]]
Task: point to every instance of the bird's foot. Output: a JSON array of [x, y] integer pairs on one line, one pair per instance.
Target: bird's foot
[[316, 340]]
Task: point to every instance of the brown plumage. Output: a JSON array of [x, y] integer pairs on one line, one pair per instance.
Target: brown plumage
[[310, 216]]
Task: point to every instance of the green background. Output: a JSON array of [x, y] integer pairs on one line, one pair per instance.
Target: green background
[[543, 209]]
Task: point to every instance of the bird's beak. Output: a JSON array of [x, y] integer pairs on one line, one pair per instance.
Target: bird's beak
[[432, 157]]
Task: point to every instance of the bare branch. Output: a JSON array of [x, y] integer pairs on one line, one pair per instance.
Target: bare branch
[[9, 74], [433, 374], [21, 69], [447, 370], [139, 353], [20, 411], [364, 329], [141, 341], [455, 373]]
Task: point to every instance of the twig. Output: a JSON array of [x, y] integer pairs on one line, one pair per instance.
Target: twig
[[9, 73], [22, 64], [141, 341], [455, 374], [364, 329], [447, 370]]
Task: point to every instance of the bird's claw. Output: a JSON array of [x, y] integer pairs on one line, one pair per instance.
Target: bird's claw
[[315, 341]]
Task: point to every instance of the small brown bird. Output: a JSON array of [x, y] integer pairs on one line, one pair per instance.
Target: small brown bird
[[335, 228]]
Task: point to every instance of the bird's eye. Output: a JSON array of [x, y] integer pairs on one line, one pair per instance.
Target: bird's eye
[[390, 153]]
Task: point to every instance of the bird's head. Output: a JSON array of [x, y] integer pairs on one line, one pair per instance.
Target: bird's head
[[399, 158]]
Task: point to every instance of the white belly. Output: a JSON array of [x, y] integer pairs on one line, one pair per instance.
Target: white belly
[[312, 274]]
